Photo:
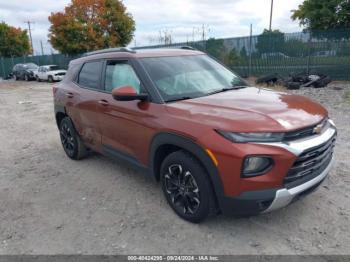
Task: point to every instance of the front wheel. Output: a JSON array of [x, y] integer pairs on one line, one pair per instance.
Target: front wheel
[[71, 142], [186, 187], [26, 78], [50, 79]]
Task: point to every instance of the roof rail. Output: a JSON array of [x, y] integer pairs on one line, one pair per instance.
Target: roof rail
[[187, 47], [110, 50]]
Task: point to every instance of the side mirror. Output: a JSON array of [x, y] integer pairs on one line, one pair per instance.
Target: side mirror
[[127, 93]]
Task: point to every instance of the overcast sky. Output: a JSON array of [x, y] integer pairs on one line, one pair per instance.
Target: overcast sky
[[222, 18]]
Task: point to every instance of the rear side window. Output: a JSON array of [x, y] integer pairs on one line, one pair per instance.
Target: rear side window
[[90, 74], [120, 74]]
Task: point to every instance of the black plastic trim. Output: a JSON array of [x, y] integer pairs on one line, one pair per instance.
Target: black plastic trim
[[118, 155], [195, 149]]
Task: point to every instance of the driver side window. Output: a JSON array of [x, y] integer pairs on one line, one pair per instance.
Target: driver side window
[[120, 74]]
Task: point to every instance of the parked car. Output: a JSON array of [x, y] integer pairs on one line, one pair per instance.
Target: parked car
[[214, 143], [273, 55], [50, 73], [325, 53], [25, 71]]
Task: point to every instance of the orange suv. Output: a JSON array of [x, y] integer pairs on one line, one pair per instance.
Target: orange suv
[[215, 143]]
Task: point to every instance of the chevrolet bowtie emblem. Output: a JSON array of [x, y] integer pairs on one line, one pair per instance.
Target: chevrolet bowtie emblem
[[318, 129]]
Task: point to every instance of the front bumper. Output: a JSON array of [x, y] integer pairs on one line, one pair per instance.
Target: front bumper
[[58, 78], [262, 201], [285, 196]]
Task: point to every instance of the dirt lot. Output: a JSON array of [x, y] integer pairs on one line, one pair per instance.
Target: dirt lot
[[52, 205]]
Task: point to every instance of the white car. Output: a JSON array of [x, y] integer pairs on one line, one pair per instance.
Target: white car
[[50, 73]]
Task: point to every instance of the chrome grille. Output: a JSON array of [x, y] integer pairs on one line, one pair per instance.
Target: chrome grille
[[310, 164], [306, 132]]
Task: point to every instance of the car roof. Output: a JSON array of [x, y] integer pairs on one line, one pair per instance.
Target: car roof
[[47, 65], [139, 53]]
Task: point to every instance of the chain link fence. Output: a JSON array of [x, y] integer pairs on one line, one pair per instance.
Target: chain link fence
[[325, 52]]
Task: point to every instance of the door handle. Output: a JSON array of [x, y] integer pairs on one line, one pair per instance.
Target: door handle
[[103, 102], [69, 95]]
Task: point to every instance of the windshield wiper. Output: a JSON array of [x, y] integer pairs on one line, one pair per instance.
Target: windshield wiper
[[226, 89], [179, 99]]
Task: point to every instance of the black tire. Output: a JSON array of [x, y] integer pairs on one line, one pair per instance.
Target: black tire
[[26, 77], [38, 79], [50, 79], [186, 186], [15, 77], [71, 142]]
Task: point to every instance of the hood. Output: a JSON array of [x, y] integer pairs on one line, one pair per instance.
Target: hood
[[251, 109], [58, 71]]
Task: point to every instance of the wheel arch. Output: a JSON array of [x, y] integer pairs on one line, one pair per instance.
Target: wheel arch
[[166, 143], [60, 113]]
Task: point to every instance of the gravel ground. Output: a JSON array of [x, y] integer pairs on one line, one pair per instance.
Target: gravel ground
[[50, 204]]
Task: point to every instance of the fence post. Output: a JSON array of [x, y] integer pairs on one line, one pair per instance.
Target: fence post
[[250, 50], [3, 68], [308, 54]]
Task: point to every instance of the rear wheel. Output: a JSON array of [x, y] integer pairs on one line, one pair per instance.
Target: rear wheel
[[38, 79], [71, 142], [15, 77], [186, 187], [26, 77], [50, 79]]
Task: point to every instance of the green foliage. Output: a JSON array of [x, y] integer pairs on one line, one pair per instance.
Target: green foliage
[[270, 41], [323, 14], [215, 48], [243, 53], [295, 48], [87, 25], [13, 41]]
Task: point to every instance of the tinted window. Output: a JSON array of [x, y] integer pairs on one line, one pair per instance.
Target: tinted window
[[90, 75], [30, 66], [121, 74], [54, 67]]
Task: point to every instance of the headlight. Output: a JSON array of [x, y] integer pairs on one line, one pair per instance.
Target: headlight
[[252, 137], [256, 165]]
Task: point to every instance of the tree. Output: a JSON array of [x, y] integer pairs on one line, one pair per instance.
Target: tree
[[295, 48], [243, 53], [270, 41], [87, 25], [13, 41], [215, 48], [233, 58], [323, 14]]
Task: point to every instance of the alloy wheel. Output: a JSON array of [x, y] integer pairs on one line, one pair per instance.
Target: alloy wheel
[[67, 139], [182, 189]]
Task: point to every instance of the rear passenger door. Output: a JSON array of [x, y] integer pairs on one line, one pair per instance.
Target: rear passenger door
[[83, 101]]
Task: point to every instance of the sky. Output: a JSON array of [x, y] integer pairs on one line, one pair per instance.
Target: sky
[[183, 19]]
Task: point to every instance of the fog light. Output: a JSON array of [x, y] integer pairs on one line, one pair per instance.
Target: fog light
[[256, 166]]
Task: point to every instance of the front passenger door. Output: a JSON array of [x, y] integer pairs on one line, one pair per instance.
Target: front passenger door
[[124, 124]]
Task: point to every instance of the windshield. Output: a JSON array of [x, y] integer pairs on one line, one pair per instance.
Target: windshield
[[30, 66], [54, 67], [185, 77]]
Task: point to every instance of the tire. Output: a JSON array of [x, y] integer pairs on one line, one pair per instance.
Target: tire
[[26, 78], [50, 79], [15, 77], [38, 79], [193, 199], [71, 142]]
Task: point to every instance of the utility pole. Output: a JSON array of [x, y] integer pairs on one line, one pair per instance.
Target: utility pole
[[42, 49], [30, 35], [271, 15]]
